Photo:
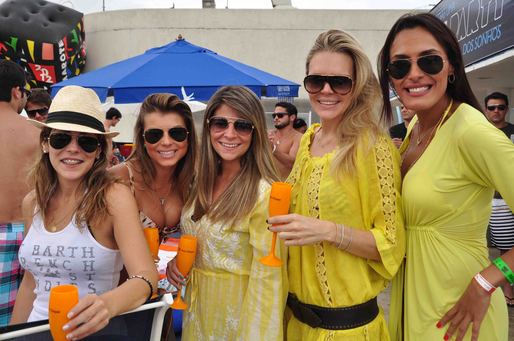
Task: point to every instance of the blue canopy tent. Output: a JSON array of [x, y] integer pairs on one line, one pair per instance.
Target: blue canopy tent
[[181, 68]]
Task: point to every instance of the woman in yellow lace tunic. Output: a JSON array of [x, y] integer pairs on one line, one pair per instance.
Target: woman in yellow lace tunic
[[453, 159], [346, 234], [231, 295]]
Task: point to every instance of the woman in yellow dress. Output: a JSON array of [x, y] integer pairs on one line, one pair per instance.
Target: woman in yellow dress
[[231, 295], [346, 238], [453, 159]]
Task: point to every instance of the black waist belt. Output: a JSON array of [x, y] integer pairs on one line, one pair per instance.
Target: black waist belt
[[333, 318]]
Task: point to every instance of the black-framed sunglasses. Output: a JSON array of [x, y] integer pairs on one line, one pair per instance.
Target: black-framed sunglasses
[[431, 64], [279, 114], [154, 135], [242, 126], [40, 111], [88, 143], [341, 85], [493, 107]]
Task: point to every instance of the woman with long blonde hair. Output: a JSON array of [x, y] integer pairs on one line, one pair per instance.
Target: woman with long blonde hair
[[345, 233], [232, 296], [83, 225]]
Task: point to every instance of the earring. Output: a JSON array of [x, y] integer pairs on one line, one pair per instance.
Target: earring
[[451, 78], [45, 151]]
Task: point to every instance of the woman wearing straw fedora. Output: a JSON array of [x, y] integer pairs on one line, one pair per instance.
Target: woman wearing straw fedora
[[83, 225]]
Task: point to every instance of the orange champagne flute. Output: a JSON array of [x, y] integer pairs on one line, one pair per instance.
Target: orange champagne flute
[[62, 299], [279, 200], [152, 239], [185, 258]]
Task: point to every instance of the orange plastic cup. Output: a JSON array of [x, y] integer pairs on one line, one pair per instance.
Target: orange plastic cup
[[152, 239], [185, 258], [62, 299], [186, 254], [279, 200]]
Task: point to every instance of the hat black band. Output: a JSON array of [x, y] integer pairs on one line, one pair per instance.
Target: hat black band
[[75, 118]]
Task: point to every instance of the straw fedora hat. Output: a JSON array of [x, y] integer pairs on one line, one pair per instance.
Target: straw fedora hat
[[75, 108]]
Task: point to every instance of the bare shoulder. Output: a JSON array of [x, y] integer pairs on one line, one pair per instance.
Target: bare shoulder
[[29, 203], [120, 172], [297, 136]]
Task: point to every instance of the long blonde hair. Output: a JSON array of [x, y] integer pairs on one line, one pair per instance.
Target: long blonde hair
[[92, 208], [183, 174], [361, 118], [239, 198]]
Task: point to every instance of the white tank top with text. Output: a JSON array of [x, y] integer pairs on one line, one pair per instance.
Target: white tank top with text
[[69, 256]]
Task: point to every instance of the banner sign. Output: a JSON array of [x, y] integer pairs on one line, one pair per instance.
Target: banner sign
[[482, 27]]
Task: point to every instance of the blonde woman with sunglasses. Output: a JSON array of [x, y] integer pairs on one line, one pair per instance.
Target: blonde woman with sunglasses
[[453, 159], [83, 225], [231, 295], [345, 233], [160, 169]]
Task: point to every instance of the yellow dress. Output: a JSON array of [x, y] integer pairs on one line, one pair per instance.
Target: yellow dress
[[231, 295], [447, 203], [325, 276]]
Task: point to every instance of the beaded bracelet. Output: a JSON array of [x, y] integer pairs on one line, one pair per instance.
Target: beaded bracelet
[[504, 268], [147, 282]]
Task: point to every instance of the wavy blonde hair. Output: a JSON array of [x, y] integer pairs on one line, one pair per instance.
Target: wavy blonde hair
[[257, 163], [92, 208], [361, 118], [183, 174]]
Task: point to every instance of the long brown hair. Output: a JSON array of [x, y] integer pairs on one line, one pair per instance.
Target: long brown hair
[[183, 174], [361, 118], [459, 90], [239, 198], [92, 208]]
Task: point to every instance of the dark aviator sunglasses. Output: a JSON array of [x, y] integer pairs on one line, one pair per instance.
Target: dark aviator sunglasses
[[154, 135], [500, 107], [218, 124], [431, 64], [279, 114], [40, 111], [341, 85], [88, 144]]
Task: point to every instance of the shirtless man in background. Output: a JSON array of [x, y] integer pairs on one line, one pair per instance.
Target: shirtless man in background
[[19, 149], [285, 139]]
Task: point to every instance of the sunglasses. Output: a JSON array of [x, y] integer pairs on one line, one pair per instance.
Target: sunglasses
[[279, 114], [431, 64], [60, 140], [40, 111], [154, 135], [500, 107], [339, 84], [218, 124]]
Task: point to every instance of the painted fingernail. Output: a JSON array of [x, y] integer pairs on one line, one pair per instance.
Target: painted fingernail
[[65, 327], [446, 337], [267, 222], [70, 315], [439, 324]]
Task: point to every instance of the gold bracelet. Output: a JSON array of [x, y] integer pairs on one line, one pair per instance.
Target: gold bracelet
[[147, 282], [341, 228], [349, 242]]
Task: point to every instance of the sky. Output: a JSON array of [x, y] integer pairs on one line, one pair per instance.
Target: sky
[[90, 6]]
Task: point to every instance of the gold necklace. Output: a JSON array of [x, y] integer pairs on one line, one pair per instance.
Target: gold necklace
[[420, 138], [161, 199], [53, 225], [432, 133]]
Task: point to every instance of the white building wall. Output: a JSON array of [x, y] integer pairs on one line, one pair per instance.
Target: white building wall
[[276, 41]]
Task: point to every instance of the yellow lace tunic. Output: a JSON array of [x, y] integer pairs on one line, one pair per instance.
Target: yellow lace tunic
[[325, 276], [231, 295]]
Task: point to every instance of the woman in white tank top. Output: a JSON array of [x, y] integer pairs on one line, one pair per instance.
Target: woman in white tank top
[[84, 226]]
